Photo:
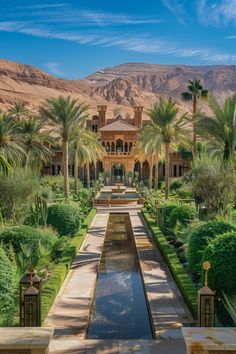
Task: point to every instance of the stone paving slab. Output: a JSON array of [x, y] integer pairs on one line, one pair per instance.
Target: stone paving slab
[[166, 303], [159, 346], [70, 311]]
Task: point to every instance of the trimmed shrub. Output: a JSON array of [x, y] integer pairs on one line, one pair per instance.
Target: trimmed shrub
[[183, 214], [64, 218], [18, 236], [200, 238], [6, 286], [183, 281], [221, 253], [164, 215]]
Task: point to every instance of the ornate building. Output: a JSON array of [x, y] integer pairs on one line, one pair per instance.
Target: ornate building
[[118, 136]]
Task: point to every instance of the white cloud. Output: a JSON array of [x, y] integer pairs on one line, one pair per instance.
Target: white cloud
[[176, 8], [43, 6], [104, 19], [217, 12], [133, 43], [54, 68], [61, 14]]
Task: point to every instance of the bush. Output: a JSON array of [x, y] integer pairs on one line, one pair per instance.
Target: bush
[[221, 253], [17, 192], [213, 184], [6, 286], [175, 184], [164, 215], [185, 192], [27, 237], [183, 214], [59, 248], [64, 218], [200, 238], [183, 281]]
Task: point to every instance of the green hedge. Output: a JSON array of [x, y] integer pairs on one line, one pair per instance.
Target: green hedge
[[183, 281], [200, 239], [221, 253], [59, 271], [65, 218]]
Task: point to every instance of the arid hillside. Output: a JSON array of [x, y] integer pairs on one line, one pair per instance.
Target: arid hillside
[[119, 87]]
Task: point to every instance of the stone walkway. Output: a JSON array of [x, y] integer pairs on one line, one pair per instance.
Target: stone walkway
[[70, 313], [166, 303]]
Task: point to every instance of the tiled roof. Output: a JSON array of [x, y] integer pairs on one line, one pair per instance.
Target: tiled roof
[[118, 125]]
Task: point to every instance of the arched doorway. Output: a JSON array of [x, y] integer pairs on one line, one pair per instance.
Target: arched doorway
[[118, 173]]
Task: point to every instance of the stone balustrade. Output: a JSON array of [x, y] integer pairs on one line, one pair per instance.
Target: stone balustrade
[[221, 340], [24, 340]]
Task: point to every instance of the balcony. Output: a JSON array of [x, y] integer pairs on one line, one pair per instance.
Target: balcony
[[118, 153]]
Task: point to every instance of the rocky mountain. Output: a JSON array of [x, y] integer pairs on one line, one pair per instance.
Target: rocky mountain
[[121, 86]]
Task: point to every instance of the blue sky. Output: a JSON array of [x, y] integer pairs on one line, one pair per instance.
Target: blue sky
[[74, 38]]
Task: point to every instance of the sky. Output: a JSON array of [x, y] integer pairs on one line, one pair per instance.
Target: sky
[[74, 38]]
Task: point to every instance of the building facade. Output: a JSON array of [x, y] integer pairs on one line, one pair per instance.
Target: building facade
[[118, 137]]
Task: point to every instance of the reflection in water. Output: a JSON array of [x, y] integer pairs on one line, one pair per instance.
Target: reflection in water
[[119, 308], [110, 195]]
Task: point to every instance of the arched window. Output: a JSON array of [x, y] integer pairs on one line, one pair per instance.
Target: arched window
[[119, 145]]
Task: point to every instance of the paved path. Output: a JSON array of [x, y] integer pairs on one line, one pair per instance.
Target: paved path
[[70, 311], [167, 305]]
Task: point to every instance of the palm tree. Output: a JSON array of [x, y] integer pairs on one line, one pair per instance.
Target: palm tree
[[221, 126], [18, 110], [151, 140], [5, 167], [33, 136], [87, 149], [10, 148], [194, 93], [65, 114], [164, 115]]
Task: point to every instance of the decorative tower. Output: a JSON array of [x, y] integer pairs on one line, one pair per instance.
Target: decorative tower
[[206, 302], [138, 120], [102, 115]]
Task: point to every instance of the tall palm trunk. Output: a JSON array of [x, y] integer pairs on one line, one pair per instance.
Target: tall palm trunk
[[194, 127], [167, 169], [76, 166], [88, 175], [65, 166], [151, 173], [156, 171]]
